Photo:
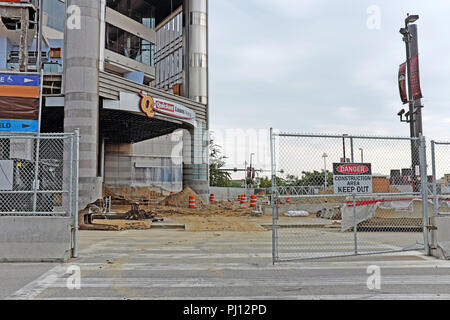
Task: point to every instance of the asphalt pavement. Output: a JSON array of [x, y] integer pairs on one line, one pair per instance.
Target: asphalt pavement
[[175, 264]]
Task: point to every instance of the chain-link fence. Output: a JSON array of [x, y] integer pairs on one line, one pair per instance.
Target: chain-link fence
[[440, 180], [366, 195], [38, 174]]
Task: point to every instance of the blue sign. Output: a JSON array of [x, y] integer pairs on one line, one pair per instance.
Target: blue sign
[[18, 125], [20, 80]]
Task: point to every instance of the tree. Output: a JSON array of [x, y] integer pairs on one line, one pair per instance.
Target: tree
[[315, 178], [308, 179], [217, 177], [265, 183]]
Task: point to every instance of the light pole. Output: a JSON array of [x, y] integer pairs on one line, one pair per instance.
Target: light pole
[[414, 115], [362, 155], [251, 169], [324, 156]]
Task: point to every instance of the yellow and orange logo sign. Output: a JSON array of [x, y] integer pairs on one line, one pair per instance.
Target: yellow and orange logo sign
[[147, 104]]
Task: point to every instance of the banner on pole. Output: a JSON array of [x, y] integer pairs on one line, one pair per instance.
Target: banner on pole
[[415, 78], [402, 83]]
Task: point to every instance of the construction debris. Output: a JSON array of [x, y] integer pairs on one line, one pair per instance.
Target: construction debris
[[138, 214], [219, 216], [181, 200]]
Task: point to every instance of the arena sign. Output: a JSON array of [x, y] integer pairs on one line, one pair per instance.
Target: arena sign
[[352, 178], [150, 106]]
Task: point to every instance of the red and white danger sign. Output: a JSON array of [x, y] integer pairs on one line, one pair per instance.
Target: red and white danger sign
[[352, 178]]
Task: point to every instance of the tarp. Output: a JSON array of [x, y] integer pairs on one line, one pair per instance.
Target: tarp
[[366, 209]]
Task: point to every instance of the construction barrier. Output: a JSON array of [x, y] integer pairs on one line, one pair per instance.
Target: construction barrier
[[212, 198], [381, 208], [192, 202], [253, 201], [243, 199], [239, 197]]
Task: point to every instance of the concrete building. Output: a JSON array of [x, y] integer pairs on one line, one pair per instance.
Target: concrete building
[[133, 77]]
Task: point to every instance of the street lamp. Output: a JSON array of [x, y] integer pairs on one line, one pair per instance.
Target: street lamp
[[362, 155], [411, 19], [251, 156], [414, 115], [324, 156], [251, 170]]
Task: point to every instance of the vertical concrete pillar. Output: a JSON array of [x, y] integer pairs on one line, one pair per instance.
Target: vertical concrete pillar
[[81, 63], [195, 160], [196, 47], [23, 48], [195, 141]]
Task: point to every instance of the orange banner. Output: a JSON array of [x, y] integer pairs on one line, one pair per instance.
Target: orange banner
[[19, 91]]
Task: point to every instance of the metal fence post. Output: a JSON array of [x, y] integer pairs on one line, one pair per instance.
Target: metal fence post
[[424, 182], [272, 197], [36, 173], [433, 169], [355, 226], [71, 185], [352, 151], [75, 190]]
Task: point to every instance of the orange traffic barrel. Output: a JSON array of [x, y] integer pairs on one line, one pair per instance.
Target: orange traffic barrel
[[212, 198], [243, 199], [192, 202], [239, 197], [253, 201]]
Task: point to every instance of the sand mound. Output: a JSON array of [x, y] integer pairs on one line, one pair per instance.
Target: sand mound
[[181, 200]]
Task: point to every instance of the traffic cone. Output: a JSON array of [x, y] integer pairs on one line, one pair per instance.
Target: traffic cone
[[253, 201], [192, 203]]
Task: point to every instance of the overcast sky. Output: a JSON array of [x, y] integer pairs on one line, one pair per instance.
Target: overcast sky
[[314, 66]]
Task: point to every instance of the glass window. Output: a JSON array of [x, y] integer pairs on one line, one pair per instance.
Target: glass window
[[55, 12], [138, 10], [129, 45]]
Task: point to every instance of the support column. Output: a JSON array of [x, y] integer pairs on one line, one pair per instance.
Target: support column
[[81, 110], [23, 49], [195, 141], [195, 160]]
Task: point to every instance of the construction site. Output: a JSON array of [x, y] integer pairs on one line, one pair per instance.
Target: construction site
[[108, 166]]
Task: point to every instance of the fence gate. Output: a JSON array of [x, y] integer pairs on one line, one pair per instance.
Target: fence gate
[[369, 195], [39, 178], [440, 190]]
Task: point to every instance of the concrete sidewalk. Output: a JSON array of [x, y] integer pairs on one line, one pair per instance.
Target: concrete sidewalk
[[172, 264]]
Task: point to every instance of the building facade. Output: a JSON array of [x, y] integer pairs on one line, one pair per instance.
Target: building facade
[[132, 76]]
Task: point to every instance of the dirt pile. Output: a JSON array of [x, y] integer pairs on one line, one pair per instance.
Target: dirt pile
[[181, 200], [119, 225]]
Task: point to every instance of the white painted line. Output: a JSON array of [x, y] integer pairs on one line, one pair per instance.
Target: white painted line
[[263, 267], [374, 296], [286, 282], [36, 287]]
